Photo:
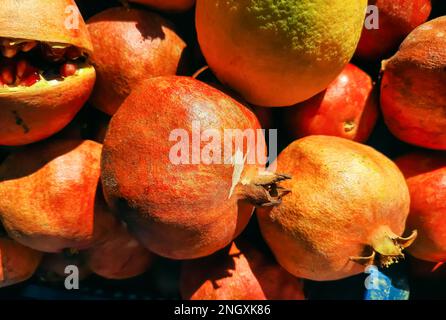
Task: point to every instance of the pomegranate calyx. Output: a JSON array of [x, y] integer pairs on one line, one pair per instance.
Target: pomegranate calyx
[[263, 190], [387, 248], [365, 261]]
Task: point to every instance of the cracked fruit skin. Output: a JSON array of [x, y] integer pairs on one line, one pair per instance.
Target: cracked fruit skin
[[179, 211], [30, 114], [348, 108], [167, 5], [238, 272], [413, 87], [397, 18], [17, 262], [347, 204], [426, 177], [278, 53], [47, 194], [130, 45]]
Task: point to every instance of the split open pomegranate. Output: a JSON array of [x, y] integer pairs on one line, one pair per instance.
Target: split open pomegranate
[[45, 76]]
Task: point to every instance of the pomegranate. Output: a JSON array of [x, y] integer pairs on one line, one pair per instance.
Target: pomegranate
[[426, 177], [167, 5], [17, 263], [239, 272], [116, 254], [185, 203], [413, 89], [347, 208], [348, 108], [395, 20], [130, 45], [47, 194], [38, 40], [54, 266]]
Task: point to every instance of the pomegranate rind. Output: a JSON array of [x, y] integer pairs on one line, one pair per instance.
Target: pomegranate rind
[[17, 263], [53, 21], [30, 114]]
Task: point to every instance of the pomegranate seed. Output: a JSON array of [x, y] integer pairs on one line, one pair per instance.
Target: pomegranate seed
[[68, 69], [7, 74], [30, 80], [21, 69], [53, 54], [28, 46], [9, 51], [73, 53]]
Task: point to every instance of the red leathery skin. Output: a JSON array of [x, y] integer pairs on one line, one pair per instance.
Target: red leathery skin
[[68, 69], [238, 272], [426, 177], [17, 262], [348, 108], [177, 211], [413, 87], [137, 35], [47, 194], [397, 18]]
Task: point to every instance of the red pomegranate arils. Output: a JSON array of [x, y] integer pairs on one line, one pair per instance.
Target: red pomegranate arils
[[30, 80], [7, 74], [21, 68], [28, 46], [68, 69]]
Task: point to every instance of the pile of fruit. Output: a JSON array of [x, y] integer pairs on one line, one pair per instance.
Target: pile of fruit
[[255, 146]]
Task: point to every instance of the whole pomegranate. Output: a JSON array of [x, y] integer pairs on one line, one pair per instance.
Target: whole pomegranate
[[395, 20], [347, 208], [45, 75], [116, 255], [183, 202], [348, 108], [130, 45], [426, 177], [239, 272], [167, 5], [413, 88], [47, 194], [17, 263]]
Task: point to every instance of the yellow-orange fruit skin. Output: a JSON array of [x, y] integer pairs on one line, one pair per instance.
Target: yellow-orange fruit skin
[[17, 262], [47, 194], [343, 194], [167, 5], [413, 87], [130, 45], [239, 272], [31, 114], [56, 21], [180, 211], [278, 53]]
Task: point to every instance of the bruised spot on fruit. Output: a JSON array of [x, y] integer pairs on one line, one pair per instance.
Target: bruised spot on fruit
[[19, 121]]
